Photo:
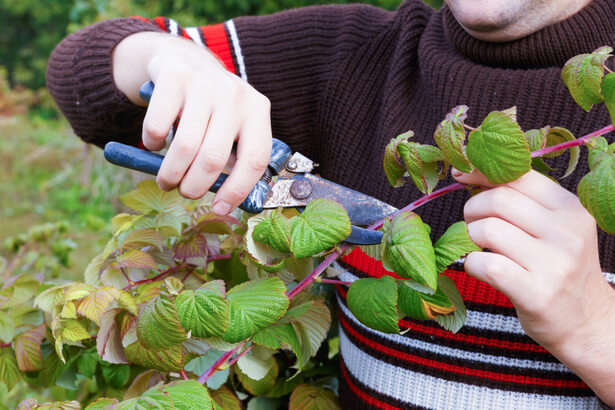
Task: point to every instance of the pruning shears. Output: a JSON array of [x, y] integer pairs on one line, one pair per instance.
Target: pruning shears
[[294, 187]]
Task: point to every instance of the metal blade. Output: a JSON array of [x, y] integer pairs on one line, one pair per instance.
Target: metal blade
[[362, 236]]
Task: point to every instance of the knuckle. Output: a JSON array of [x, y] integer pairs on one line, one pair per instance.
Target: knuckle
[[213, 161], [155, 129], [257, 163], [185, 147], [190, 192]]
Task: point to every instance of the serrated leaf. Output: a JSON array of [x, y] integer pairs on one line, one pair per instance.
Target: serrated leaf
[[204, 311], [226, 399], [450, 135], [298, 268], [323, 224], [422, 163], [261, 253], [306, 397], [393, 166], [116, 375], [171, 359], [452, 245], [114, 278], [455, 321], [188, 395], [122, 222], [216, 224], [274, 231], [87, 363], [158, 325], [374, 303], [253, 306], [109, 339], [96, 303], [154, 398], [136, 259], [143, 382], [422, 306], [373, 251], [257, 362], [191, 247], [166, 224], [407, 250], [149, 197], [32, 404], [21, 291], [582, 75], [314, 325], [607, 88], [28, 349], [537, 138], [48, 299], [597, 193], [9, 370], [259, 387], [141, 238], [104, 403], [558, 135], [95, 267], [499, 150], [282, 336]]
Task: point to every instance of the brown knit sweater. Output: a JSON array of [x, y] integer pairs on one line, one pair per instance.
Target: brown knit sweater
[[343, 81]]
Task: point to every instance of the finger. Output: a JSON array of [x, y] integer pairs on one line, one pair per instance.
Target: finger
[[500, 272], [212, 156], [511, 206], [163, 109], [253, 152], [506, 239], [186, 144], [532, 184]]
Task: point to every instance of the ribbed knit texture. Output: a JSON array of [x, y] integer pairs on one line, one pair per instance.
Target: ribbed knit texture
[[343, 81]]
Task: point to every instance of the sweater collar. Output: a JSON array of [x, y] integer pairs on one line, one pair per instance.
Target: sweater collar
[[590, 28]]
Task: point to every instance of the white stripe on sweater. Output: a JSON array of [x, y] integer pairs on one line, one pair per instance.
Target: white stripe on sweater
[[427, 391], [194, 34], [230, 25], [173, 27], [414, 344]]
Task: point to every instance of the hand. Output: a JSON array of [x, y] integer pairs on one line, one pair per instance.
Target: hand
[[215, 107], [544, 257]]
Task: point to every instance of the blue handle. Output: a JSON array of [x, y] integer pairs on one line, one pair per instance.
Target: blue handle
[[140, 160]]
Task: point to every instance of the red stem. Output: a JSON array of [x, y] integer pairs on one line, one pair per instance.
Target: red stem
[[239, 356], [6, 344], [414, 205], [218, 257], [335, 282], [184, 375], [219, 363]]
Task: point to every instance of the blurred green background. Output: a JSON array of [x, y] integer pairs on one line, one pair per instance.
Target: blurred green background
[[47, 174]]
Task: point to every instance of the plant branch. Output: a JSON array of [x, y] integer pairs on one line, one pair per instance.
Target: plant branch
[[334, 282], [13, 265], [574, 143], [6, 344], [184, 375], [219, 363]]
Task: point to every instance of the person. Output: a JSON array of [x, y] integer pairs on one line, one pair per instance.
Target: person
[[337, 83]]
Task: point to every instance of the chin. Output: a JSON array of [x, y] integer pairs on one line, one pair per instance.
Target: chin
[[487, 16]]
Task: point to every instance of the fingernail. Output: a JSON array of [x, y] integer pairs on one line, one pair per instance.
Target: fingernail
[[222, 208]]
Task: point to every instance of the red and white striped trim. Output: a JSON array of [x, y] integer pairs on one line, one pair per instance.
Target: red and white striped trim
[[230, 26], [195, 35], [432, 392], [414, 344]]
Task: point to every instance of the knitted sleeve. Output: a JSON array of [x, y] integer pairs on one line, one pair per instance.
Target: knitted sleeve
[[286, 56]]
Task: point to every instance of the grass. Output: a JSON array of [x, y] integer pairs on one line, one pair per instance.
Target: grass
[[48, 175]]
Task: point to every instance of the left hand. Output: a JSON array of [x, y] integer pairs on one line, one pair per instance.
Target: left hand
[[544, 257]]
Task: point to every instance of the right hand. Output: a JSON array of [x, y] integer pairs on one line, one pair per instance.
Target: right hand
[[215, 107]]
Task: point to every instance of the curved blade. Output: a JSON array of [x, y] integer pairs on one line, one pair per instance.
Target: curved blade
[[362, 236], [362, 209]]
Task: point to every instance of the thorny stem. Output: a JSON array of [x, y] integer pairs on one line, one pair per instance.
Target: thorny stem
[[332, 257]]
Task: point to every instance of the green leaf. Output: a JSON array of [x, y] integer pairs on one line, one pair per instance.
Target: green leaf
[[257, 362], [452, 245], [188, 395], [537, 139], [141, 238], [280, 336], [323, 224], [148, 197], [558, 135], [499, 150], [607, 88], [226, 399], [274, 231], [205, 310], [259, 387], [172, 359], [423, 164], [7, 327], [28, 349], [87, 363], [95, 267], [9, 370], [116, 375], [261, 253], [254, 305], [374, 303], [597, 193], [191, 248], [407, 250], [201, 364], [298, 268], [104, 403], [455, 321], [450, 135], [422, 306], [306, 397], [158, 325], [95, 304], [583, 76], [314, 325], [22, 290], [393, 166], [48, 299], [134, 258]]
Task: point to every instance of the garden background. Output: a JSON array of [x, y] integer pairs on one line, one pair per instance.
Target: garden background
[[47, 175]]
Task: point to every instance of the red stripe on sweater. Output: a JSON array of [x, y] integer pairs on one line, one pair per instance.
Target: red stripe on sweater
[[185, 34], [160, 21], [483, 341], [142, 19], [471, 289], [485, 374], [217, 41], [362, 395]]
